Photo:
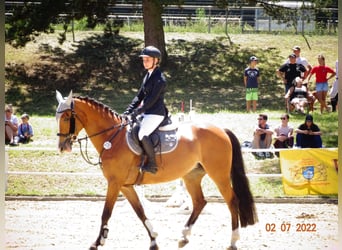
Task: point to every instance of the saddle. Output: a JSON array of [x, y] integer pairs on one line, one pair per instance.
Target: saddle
[[164, 138]]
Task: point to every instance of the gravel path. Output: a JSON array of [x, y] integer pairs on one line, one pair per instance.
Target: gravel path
[[74, 225]]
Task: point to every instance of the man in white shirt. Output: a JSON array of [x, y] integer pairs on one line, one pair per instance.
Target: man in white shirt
[[307, 65], [302, 60]]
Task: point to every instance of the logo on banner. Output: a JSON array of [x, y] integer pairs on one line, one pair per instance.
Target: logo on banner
[[308, 172]]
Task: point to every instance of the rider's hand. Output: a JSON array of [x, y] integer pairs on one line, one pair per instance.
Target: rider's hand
[[134, 114], [124, 118]]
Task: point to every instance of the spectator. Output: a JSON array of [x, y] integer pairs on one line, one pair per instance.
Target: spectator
[[321, 71], [288, 72], [308, 134], [11, 126], [298, 95], [284, 134], [25, 131], [262, 137], [333, 93], [301, 60], [251, 81]]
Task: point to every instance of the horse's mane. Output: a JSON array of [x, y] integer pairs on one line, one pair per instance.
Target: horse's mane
[[98, 104]]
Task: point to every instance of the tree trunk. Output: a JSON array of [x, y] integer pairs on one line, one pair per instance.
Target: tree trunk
[[153, 26]]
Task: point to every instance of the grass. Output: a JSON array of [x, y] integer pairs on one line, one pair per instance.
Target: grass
[[204, 68], [49, 160]]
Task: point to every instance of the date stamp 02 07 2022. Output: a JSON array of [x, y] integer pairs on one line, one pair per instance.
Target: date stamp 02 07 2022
[[288, 227]]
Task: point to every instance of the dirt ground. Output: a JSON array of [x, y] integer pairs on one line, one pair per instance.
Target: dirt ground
[[74, 225]]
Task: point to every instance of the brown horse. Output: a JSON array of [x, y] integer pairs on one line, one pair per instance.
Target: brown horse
[[202, 149]]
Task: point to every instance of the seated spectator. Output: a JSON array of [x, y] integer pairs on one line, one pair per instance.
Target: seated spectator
[[298, 95], [333, 92], [284, 133], [25, 131], [11, 126], [262, 137], [308, 134]]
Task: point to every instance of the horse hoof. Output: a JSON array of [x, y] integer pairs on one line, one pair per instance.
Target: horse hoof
[[93, 247], [182, 243], [232, 248]]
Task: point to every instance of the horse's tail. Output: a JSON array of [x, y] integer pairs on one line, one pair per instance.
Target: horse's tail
[[247, 210]]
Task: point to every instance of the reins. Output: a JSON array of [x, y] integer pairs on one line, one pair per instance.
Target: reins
[[106, 145]]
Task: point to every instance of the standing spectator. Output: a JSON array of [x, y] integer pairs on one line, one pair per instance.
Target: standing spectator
[[288, 72], [251, 81], [25, 131], [321, 71], [262, 137], [308, 134], [302, 60], [284, 133], [333, 93], [11, 126]]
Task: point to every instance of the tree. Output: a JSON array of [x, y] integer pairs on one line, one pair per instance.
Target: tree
[[154, 34], [34, 17]]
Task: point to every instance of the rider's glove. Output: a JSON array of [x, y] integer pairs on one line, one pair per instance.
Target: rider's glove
[[134, 114]]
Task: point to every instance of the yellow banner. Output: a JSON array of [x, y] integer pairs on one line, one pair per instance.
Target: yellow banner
[[309, 171]]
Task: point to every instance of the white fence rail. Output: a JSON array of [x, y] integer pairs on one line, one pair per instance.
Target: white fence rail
[[244, 150]]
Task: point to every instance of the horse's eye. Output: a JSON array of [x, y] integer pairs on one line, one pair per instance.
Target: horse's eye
[[66, 118]]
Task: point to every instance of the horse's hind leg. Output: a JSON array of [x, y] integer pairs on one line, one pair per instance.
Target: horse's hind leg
[[132, 197], [192, 182], [112, 194], [225, 188]]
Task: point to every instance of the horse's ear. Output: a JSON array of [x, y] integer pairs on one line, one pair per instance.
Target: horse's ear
[[59, 96], [69, 99]]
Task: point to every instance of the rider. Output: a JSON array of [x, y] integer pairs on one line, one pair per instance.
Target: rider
[[150, 102]]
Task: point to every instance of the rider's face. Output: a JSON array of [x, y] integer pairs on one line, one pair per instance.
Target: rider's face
[[148, 62]]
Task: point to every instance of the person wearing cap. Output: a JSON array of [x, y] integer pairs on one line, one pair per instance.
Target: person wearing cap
[[297, 95], [25, 130], [251, 80], [301, 60], [308, 134], [288, 72], [321, 72], [11, 126], [149, 102]]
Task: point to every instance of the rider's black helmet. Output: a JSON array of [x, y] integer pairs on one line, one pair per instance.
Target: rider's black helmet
[[151, 51]]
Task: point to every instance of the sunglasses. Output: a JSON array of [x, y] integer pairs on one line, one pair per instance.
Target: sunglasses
[[260, 119], [282, 118]]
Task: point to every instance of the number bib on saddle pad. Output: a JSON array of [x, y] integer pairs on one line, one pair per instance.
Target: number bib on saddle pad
[[164, 139]]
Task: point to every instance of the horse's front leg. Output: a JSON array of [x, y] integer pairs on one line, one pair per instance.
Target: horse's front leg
[[132, 197], [192, 182], [112, 194]]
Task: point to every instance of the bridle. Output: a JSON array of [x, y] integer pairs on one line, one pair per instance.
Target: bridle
[[72, 126], [71, 137]]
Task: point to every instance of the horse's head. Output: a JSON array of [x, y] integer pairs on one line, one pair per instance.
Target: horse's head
[[68, 126]]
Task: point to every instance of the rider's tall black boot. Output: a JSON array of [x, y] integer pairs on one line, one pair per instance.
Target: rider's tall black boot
[[151, 165]]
